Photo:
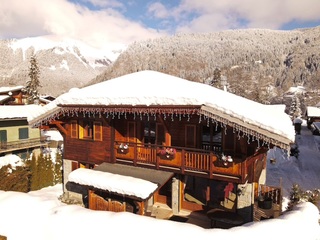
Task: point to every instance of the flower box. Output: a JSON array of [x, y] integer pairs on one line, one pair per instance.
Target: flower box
[[167, 153], [123, 148]]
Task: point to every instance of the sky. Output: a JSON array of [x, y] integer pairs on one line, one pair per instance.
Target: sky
[[40, 215], [121, 22]]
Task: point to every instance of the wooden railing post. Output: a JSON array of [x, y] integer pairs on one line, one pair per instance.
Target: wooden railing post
[[135, 153], [211, 165], [183, 161]]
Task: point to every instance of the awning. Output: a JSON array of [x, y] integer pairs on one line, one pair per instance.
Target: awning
[[128, 181]]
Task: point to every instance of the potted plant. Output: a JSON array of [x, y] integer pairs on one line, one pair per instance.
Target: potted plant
[[123, 148], [167, 153], [264, 202]]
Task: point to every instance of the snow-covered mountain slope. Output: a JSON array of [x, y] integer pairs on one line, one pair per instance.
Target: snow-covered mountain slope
[[64, 63]]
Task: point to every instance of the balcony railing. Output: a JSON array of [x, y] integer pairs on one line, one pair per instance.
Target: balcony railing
[[182, 160], [22, 144]]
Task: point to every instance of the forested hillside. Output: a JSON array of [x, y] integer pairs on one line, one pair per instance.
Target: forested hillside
[[258, 64]]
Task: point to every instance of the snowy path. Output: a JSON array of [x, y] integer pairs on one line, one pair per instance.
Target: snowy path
[[304, 170]]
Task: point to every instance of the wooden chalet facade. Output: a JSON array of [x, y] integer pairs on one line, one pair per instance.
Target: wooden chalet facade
[[216, 159]]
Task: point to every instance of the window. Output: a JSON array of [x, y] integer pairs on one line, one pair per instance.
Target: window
[[211, 137], [23, 133], [88, 129], [3, 135], [149, 132]]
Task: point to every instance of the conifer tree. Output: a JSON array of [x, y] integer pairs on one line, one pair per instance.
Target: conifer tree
[[35, 179], [58, 169], [33, 84]]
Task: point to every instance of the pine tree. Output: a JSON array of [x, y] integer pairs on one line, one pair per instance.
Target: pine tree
[[58, 169], [33, 83], [35, 179]]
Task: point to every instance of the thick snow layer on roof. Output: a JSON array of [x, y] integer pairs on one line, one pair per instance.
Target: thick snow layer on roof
[[8, 89], [313, 112], [19, 111], [150, 88], [113, 182]]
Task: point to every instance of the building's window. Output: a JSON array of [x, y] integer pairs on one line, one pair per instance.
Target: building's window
[[23, 133], [211, 137], [74, 129], [89, 129], [190, 133], [149, 132]]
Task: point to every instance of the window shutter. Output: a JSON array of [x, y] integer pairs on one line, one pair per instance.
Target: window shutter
[[97, 131], [74, 129]]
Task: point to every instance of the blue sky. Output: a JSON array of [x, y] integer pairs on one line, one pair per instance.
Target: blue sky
[[103, 22]]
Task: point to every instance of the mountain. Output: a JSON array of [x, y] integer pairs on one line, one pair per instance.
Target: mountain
[[258, 64], [63, 63]]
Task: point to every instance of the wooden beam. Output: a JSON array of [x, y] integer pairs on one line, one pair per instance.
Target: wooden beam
[[59, 126]]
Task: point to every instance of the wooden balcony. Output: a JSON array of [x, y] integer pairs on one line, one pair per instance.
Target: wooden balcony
[[198, 162], [22, 144]]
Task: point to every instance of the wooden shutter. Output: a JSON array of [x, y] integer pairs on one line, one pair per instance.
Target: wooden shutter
[[74, 129], [97, 128]]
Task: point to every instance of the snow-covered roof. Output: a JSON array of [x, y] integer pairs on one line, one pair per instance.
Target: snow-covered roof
[[155, 89], [124, 185], [10, 89], [313, 112], [18, 111], [4, 97]]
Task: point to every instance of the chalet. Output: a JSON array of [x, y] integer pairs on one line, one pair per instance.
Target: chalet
[[312, 115], [185, 144], [16, 136], [11, 95]]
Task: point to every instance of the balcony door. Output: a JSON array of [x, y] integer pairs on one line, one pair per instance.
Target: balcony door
[[190, 133]]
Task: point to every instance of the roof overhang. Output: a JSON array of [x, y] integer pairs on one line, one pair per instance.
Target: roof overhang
[[247, 128], [263, 134]]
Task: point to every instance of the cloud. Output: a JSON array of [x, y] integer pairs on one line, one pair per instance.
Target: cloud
[[213, 15], [104, 22], [60, 17], [158, 10]]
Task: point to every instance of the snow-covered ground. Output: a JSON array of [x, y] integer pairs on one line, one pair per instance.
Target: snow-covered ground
[[40, 215]]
